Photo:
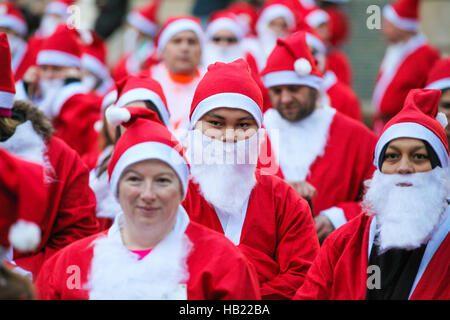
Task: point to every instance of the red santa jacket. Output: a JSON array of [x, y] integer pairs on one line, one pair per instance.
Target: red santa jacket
[[341, 269], [409, 71], [339, 63], [75, 113], [278, 234], [70, 214], [342, 97], [217, 269], [338, 174]]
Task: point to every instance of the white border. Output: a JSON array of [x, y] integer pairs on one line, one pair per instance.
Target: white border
[[403, 23], [224, 23], [146, 151], [227, 100], [288, 77], [6, 99], [144, 94], [179, 26], [317, 17], [439, 84], [58, 58], [12, 22], [94, 65], [273, 12], [140, 22]]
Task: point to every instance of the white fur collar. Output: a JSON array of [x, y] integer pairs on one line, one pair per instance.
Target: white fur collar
[[116, 272], [297, 145], [28, 144]]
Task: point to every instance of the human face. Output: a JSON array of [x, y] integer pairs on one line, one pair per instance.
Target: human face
[[406, 156], [51, 72], [293, 102], [444, 107], [393, 34], [224, 38], [182, 53], [227, 124], [149, 193], [278, 25]]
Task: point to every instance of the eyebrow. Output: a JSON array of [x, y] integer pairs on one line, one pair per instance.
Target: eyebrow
[[414, 149], [213, 115]]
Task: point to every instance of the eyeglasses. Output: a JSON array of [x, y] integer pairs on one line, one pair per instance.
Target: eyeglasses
[[229, 40]]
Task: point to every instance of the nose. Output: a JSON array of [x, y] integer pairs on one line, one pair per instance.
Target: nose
[[230, 135], [148, 193], [405, 166], [286, 97]]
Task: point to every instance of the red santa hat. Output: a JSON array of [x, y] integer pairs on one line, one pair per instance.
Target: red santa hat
[[246, 14], [135, 88], [146, 138], [12, 18], [291, 63], [237, 89], [145, 19], [109, 98], [62, 48], [22, 192], [7, 86], [273, 9], [418, 119], [94, 56], [59, 7], [439, 75], [313, 39], [315, 16], [404, 14], [174, 25], [224, 20]]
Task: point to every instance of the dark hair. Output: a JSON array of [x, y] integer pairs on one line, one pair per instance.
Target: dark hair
[[432, 155], [21, 112]]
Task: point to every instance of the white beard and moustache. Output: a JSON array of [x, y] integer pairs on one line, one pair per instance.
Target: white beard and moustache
[[15, 44], [407, 216], [224, 171], [267, 38], [49, 91], [213, 53]]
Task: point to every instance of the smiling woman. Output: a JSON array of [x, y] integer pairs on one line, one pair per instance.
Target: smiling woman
[[152, 250]]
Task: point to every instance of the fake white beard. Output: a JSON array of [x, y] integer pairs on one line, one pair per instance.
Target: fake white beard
[[298, 144], [15, 44], [117, 274], [267, 38], [130, 40], [90, 82], [49, 91], [224, 171], [407, 216], [213, 53], [28, 144]]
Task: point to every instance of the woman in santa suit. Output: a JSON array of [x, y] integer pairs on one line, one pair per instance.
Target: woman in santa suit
[[152, 250], [400, 248], [27, 133]]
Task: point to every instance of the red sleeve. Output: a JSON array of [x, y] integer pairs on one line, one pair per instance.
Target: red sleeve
[[319, 280], [297, 247]]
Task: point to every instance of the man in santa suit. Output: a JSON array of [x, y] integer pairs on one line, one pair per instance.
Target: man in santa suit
[[56, 12], [57, 90], [224, 35], [277, 18], [153, 250], [27, 133], [268, 221], [179, 45], [406, 63], [337, 60], [340, 96], [324, 154], [13, 23], [439, 78], [138, 41], [400, 248]]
